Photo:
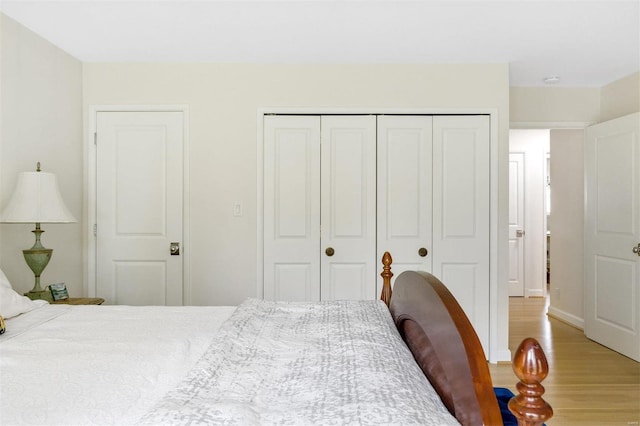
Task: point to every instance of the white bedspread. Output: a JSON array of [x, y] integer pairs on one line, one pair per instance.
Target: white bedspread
[[78, 365], [333, 363]]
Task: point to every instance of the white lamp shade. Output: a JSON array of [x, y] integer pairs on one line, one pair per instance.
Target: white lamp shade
[[36, 199]]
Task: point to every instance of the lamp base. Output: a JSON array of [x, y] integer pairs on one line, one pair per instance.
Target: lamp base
[[37, 258], [40, 295]]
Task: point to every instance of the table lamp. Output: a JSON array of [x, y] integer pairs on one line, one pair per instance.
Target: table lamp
[[37, 199]]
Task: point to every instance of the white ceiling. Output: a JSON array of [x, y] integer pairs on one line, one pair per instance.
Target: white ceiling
[[585, 43]]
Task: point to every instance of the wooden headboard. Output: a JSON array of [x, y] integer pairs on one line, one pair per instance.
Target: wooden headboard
[[440, 337], [447, 348]]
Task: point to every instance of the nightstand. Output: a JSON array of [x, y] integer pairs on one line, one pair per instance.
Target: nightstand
[[80, 301]]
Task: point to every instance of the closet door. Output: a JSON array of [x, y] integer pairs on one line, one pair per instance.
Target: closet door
[[292, 208], [432, 185], [348, 205], [460, 255], [404, 192]]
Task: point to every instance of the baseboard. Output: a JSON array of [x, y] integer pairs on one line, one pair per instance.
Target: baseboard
[[566, 317], [501, 356], [530, 292]]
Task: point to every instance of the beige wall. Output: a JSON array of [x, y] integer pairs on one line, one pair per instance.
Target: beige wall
[[223, 101], [620, 98], [536, 107], [41, 119], [567, 226]]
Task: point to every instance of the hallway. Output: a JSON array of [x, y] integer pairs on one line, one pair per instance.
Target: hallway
[[588, 384]]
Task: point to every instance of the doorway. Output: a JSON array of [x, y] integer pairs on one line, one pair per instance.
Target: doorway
[[529, 242]]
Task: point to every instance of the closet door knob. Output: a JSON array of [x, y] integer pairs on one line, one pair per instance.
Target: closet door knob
[[329, 251], [423, 252]]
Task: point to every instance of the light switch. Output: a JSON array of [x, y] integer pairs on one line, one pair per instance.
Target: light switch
[[237, 209]]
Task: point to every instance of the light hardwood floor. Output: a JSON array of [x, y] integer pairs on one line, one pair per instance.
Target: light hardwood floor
[[588, 384]]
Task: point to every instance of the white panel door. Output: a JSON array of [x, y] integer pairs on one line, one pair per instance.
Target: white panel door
[[139, 191], [516, 224], [292, 208], [612, 235], [404, 192], [348, 207], [460, 255]]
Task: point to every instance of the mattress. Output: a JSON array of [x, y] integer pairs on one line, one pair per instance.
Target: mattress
[[62, 364], [274, 363]]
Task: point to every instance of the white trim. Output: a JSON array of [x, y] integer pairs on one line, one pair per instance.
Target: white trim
[[563, 316], [374, 111], [89, 216], [260, 205], [89, 208], [534, 292], [502, 355], [545, 222], [496, 353]]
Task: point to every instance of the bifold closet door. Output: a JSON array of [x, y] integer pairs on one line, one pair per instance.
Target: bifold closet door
[[433, 204], [323, 232], [309, 185], [292, 208], [461, 214], [348, 205], [405, 145]]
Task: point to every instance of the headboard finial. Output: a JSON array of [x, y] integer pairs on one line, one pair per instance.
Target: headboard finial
[[531, 367], [386, 278]]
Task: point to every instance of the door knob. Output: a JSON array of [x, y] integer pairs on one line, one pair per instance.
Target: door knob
[[329, 251], [636, 249], [174, 249], [423, 252], [519, 233]]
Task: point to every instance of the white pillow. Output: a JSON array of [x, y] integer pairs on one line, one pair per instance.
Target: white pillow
[[4, 281], [11, 303]]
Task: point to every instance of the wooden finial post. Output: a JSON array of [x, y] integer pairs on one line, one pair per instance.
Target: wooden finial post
[[386, 278], [531, 367]]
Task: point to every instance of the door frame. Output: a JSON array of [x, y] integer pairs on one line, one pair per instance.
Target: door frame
[[90, 196], [498, 332], [534, 241], [522, 211]]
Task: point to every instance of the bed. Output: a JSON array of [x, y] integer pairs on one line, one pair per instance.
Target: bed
[[412, 358]]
